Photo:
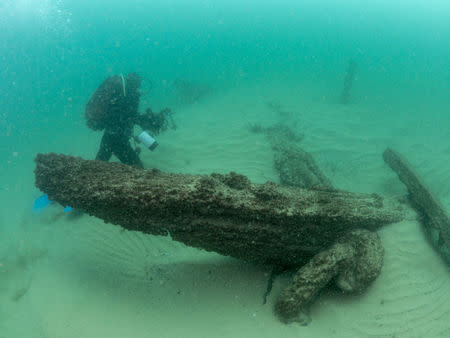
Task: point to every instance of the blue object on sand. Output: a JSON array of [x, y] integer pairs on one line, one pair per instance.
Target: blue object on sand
[[67, 209], [41, 203]]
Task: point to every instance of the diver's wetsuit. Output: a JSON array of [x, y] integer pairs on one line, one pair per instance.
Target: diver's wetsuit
[[119, 124], [119, 145]]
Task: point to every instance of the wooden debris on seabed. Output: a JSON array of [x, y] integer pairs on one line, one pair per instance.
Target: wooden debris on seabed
[[262, 223], [295, 166], [354, 261], [433, 216]]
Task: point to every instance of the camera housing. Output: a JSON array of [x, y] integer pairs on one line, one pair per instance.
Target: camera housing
[[147, 140]]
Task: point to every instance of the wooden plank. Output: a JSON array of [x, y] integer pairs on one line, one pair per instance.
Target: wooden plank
[[434, 218], [263, 223]]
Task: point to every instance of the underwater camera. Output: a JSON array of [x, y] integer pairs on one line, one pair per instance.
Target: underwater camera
[[147, 140]]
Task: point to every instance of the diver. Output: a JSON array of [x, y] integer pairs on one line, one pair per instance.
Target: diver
[[114, 108]]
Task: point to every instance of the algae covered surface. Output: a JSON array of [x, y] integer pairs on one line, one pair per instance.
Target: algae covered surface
[[348, 80]]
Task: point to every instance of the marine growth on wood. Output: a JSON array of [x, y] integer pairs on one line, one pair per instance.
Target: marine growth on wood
[[433, 216], [262, 223]]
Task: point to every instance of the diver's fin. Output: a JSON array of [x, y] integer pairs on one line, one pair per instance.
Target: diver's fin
[[67, 209], [41, 203]]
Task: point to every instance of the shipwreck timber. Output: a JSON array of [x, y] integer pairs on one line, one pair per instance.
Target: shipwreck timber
[[354, 262], [262, 223], [433, 215]]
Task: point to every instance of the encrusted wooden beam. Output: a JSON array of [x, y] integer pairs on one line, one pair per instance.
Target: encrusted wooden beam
[[262, 223], [433, 216]]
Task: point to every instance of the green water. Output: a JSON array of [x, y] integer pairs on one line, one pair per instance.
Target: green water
[[245, 55]]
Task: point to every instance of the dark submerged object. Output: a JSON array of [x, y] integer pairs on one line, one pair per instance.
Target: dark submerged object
[[354, 262], [113, 102], [295, 166], [114, 108], [433, 216], [348, 82], [262, 223]]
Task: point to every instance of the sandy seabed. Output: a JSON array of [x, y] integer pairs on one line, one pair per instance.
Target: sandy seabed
[[65, 276]]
